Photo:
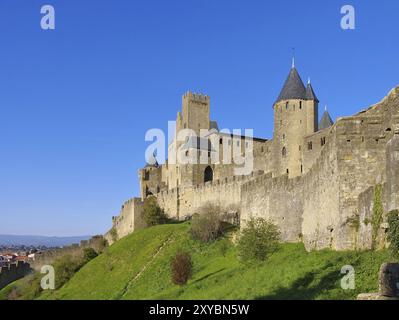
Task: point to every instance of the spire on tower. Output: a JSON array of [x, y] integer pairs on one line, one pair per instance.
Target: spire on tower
[[293, 58], [310, 95], [293, 87], [326, 120]]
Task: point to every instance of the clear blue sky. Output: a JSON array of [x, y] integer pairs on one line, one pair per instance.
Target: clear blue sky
[[76, 102]]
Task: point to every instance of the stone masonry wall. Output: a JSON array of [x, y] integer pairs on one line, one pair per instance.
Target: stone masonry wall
[[13, 272], [183, 202], [129, 220], [303, 207], [330, 205]]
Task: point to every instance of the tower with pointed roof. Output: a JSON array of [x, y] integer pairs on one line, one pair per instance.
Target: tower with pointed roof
[[295, 116], [326, 120]]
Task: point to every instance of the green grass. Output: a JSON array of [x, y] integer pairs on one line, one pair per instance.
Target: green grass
[[26, 288], [290, 273]]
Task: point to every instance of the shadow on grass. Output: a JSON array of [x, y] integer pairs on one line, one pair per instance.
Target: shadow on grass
[[306, 288], [208, 275]]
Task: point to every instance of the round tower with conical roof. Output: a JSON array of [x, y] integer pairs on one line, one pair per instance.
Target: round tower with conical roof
[[295, 116]]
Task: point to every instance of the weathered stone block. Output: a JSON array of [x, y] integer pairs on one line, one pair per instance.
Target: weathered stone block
[[389, 280]]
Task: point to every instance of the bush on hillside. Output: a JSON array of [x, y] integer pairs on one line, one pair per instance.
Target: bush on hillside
[[181, 268], [65, 267], [393, 233], [89, 254], [27, 288], [114, 234], [207, 226], [258, 240], [152, 213]]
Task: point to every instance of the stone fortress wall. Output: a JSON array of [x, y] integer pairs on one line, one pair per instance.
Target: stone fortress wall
[[49, 256], [13, 272], [320, 191]]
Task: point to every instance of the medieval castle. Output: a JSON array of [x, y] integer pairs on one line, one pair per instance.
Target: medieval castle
[[318, 181]]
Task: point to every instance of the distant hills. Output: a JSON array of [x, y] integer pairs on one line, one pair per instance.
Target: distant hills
[[15, 240]]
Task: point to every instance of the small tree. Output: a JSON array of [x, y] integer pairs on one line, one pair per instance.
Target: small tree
[[258, 240], [393, 233], [65, 267], [89, 254], [181, 268], [152, 213], [207, 226], [114, 234]]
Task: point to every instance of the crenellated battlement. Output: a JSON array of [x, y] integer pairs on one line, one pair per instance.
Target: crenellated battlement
[[196, 96], [311, 183]]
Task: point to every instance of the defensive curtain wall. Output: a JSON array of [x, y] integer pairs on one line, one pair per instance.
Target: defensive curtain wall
[[330, 206], [13, 272]]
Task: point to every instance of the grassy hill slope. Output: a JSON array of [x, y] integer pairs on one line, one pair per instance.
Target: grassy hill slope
[[138, 267]]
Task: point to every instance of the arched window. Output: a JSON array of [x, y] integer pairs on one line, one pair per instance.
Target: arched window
[[208, 174], [284, 152]]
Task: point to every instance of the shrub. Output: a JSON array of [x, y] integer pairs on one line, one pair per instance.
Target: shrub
[[152, 213], [27, 288], [393, 233], [15, 293], [89, 254], [181, 267], [114, 234], [207, 226], [378, 212], [224, 247], [258, 240], [65, 267]]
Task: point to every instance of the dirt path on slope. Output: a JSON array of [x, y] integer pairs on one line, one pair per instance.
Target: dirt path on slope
[[153, 257]]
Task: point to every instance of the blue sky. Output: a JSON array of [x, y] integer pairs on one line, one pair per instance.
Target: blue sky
[[76, 102]]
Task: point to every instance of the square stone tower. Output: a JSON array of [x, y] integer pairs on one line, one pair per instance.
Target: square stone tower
[[195, 112], [195, 116]]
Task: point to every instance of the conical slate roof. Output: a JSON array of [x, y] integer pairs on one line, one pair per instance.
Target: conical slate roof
[[293, 87], [325, 121], [310, 95]]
